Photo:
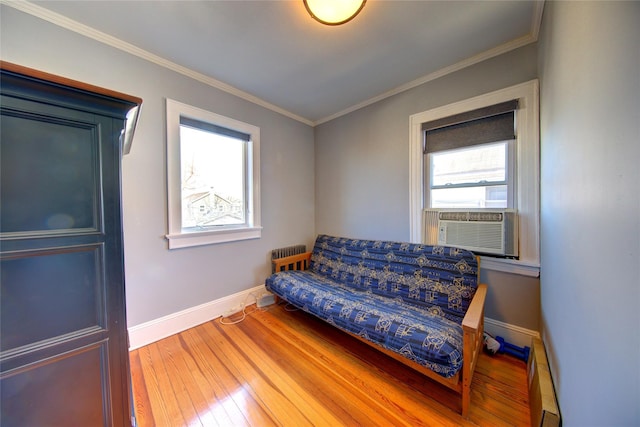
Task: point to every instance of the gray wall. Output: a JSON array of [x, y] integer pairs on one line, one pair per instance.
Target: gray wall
[[589, 63], [362, 170], [160, 282]]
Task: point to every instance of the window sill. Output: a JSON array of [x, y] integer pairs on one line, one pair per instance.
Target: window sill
[[185, 240], [512, 266]]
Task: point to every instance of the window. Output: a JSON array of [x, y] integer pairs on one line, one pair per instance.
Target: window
[[480, 176], [213, 177], [213, 185], [469, 158], [522, 169]]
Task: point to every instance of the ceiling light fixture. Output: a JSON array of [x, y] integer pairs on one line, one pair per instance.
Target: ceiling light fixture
[[334, 12]]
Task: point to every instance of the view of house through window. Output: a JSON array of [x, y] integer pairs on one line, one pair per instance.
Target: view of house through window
[[212, 177], [471, 177]]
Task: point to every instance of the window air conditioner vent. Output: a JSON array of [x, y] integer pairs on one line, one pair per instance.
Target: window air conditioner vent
[[491, 232]]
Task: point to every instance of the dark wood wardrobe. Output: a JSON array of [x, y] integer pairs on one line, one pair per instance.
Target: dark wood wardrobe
[[63, 345]]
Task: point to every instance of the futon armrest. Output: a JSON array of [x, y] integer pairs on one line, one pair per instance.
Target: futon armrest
[[473, 328], [473, 319], [292, 262]]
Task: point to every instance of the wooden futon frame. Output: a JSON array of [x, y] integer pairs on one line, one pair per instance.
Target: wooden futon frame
[[472, 326]]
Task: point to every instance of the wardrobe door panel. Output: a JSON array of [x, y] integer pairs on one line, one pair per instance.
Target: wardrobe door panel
[[47, 295], [65, 391], [49, 171]]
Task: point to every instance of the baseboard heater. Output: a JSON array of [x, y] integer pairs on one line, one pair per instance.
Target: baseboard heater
[[542, 397]]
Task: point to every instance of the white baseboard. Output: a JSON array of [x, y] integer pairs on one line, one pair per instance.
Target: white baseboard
[[154, 330], [157, 329], [511, 333]]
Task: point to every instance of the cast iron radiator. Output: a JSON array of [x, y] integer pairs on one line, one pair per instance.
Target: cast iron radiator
[[288, 251]]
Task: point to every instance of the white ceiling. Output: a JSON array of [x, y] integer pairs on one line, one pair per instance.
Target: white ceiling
[[272, 51]]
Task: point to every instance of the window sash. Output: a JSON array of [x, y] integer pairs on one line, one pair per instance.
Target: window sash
[[470, 185], [469, 165], [509, 181], [213, 128], [463, 198], [212, 133]]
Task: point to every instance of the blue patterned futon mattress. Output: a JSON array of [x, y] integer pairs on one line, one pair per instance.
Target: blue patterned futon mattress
[[423, 324]]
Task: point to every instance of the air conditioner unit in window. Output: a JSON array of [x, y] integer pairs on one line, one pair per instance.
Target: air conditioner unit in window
[[483, 231]]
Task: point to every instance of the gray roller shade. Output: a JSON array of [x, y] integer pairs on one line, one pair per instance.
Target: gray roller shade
[[484, 125]]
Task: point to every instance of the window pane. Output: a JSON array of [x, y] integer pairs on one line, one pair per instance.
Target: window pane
[[213, 187], [494, 196], [482, 163]]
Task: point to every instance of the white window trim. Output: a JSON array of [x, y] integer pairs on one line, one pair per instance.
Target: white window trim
[[177, 237], [527, 171]]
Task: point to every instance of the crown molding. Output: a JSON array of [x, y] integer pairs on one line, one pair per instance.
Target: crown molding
[[77, 27], [499, 50], [85, 30], [532, 37], [536, 20]]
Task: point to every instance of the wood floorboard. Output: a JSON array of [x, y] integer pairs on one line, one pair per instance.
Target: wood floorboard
[[351, 402], [278, 392], [286, 368], [224, 407], [238, 385], [347, 362], [282, 372], [142, 403]]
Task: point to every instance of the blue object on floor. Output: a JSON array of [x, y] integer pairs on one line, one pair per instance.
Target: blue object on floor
[[521, 353]]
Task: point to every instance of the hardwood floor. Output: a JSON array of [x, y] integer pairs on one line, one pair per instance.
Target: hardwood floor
[[279, 367]]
